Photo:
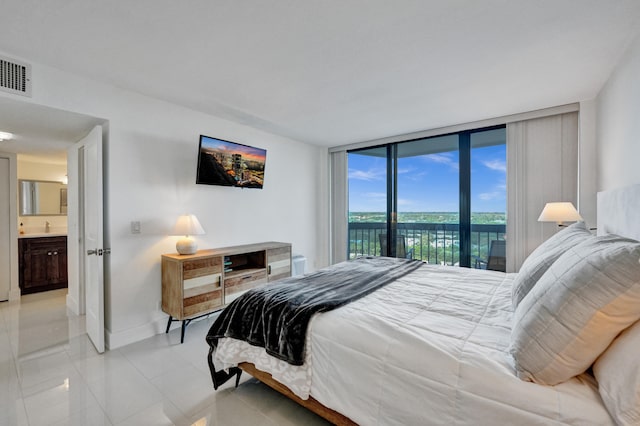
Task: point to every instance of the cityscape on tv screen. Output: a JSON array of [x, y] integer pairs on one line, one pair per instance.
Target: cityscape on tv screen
[[227, 163]]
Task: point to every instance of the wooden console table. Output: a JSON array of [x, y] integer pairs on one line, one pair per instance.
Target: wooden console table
[[197, 284]]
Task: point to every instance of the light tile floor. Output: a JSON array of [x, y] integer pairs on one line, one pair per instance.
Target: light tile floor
[[50, 374]]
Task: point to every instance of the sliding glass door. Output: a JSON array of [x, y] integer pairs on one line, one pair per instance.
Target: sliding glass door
[[367, 201], [488, 199], [440, 199], [428, 201]]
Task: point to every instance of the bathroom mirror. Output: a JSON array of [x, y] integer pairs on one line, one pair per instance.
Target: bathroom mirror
[[42, 198]]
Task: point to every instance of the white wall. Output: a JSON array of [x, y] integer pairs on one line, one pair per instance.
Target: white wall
[[618, 125], [150, 177], [37, 170]]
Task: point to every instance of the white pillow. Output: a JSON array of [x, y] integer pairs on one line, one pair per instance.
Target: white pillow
[[618, 374], [588, 296], [537, 263]]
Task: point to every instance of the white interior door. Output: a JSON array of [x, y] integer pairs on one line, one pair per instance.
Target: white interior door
[[5, 228], [92, 236]]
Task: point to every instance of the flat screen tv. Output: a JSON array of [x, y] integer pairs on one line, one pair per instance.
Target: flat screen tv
[[227, 163]]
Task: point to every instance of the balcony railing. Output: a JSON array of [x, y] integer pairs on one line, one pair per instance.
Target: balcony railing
[[436, 243]]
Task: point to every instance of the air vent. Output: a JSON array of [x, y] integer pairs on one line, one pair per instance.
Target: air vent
[[15, 77]]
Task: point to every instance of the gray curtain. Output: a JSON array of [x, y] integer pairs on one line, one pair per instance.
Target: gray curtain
[[339, 207], [542, 167]]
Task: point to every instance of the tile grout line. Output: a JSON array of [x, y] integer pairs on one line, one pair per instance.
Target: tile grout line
[[86, 383]]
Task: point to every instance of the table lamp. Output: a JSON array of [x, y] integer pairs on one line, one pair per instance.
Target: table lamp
[[187, 225], [559, 212]]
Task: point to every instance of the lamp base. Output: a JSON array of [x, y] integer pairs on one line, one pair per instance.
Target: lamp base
[[186, 245]]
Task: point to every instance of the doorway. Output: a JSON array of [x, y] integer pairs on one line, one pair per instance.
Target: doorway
[[44, 132]]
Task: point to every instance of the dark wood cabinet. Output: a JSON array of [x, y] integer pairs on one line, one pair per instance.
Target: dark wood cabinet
[[43, 264]]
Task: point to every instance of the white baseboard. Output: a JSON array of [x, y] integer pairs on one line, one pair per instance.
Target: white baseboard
[[14, 294], [72, 304], [133, 335], [114, 340]]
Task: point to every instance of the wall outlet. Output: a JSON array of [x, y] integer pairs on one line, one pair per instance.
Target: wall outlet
[[135, 227]]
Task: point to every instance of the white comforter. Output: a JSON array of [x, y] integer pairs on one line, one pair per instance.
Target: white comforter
[[430, 348]]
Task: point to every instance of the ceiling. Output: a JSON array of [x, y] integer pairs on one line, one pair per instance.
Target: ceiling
[[40, 133], [331, 72]]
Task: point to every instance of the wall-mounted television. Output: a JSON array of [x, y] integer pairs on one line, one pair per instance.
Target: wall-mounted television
[[227, 163]]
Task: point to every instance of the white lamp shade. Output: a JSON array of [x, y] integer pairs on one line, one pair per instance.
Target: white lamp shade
[[187, 225], [559, 212]]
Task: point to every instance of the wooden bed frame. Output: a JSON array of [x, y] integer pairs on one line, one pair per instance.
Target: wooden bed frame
[[219, 377], [310, 404]]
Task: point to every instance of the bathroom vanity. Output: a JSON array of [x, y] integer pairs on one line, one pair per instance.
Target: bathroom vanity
[[42, 262]]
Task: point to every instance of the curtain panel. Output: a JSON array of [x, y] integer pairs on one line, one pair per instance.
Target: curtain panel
[[542, 167], [339, 205]]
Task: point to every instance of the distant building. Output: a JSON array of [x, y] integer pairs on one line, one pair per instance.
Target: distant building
[[237, 164]]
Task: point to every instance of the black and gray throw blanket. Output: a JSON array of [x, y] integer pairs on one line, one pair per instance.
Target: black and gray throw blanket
[[276, 316]]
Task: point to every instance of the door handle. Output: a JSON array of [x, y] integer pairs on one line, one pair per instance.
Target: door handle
[[99, 252]]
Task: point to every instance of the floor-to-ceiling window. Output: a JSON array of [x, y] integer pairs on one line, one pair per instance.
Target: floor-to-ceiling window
[[367, 200], [440, 199], [428, 201], [488, 199]]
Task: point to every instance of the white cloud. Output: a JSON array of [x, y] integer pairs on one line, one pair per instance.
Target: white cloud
[[368, 175], [411, 173], [444, 158], [497, 165], [487, 196], [498, 192]]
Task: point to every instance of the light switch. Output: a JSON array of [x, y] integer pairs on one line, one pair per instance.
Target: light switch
[[135, 227]]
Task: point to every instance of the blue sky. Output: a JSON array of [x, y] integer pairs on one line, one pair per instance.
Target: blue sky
[[430, 182]]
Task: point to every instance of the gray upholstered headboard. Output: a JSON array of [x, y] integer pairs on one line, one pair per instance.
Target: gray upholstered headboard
[[619, 212]]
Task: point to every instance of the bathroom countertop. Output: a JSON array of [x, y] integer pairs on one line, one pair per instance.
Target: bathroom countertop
[[43, 234]]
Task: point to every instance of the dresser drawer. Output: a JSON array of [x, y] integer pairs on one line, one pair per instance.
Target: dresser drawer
[[280, 268], [200, 267], [279, 253], [201, 289], [202, 302], [193, 286], [234, 287], [279, 263]]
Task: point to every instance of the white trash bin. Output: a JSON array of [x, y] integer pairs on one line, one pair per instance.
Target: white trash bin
[[299, 264]]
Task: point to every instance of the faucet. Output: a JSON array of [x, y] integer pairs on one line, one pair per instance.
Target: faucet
[[47, 227]]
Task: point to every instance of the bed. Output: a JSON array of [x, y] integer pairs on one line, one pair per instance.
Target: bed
[[445, 345]]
